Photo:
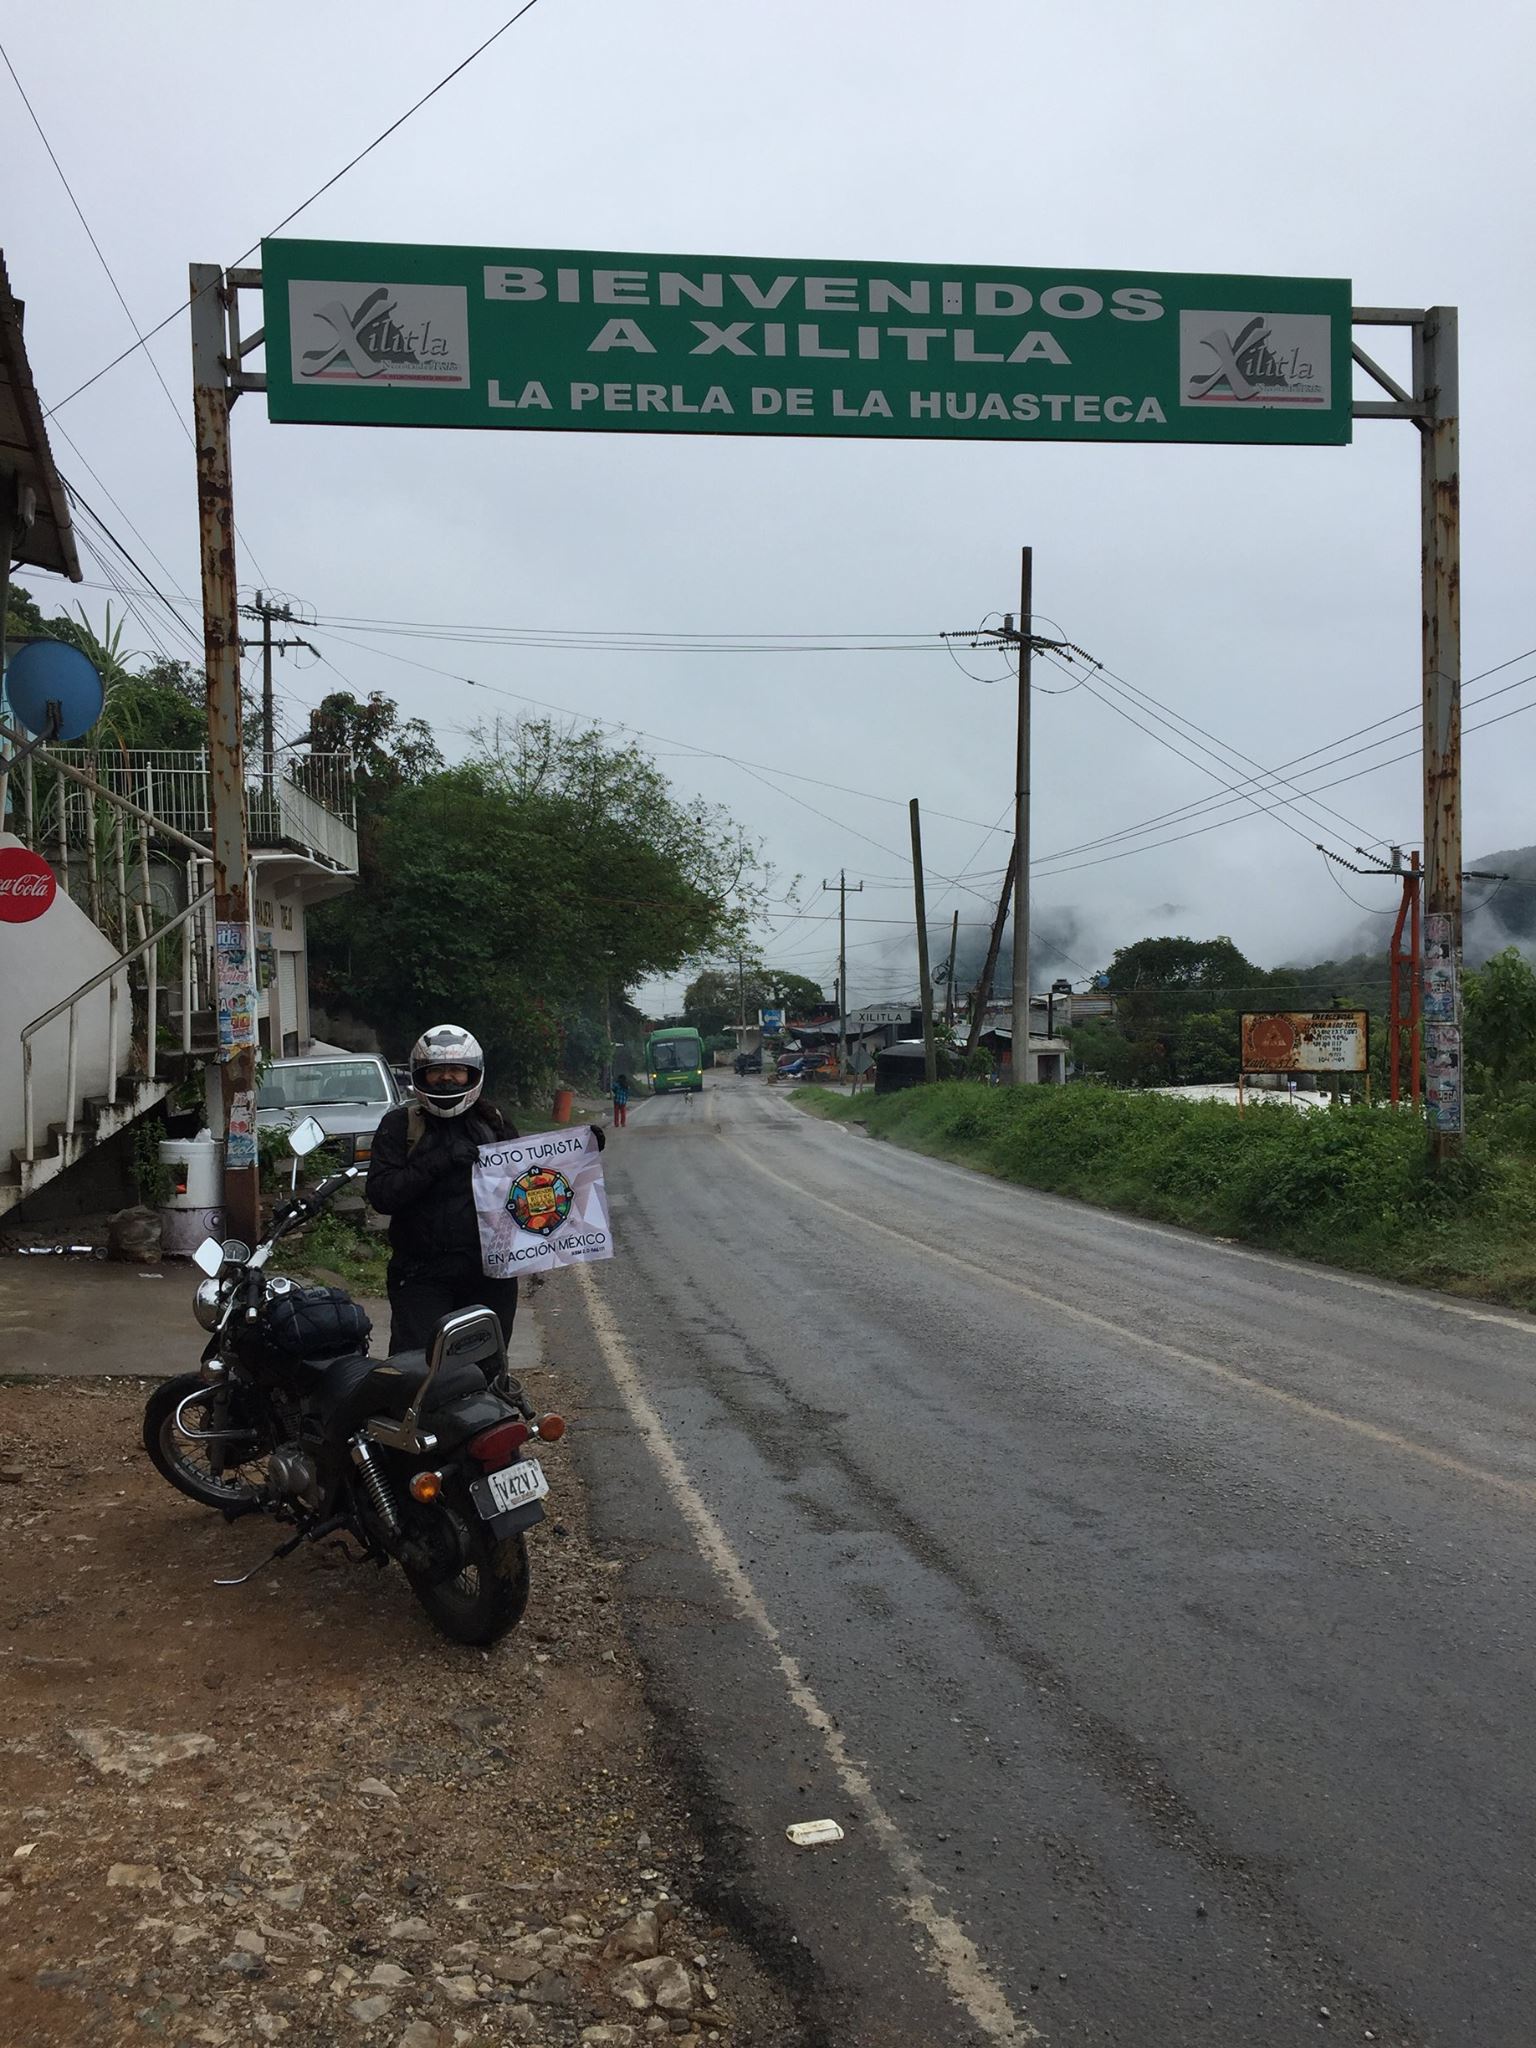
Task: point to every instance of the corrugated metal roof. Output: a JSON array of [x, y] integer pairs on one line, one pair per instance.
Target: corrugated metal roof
[[49, 542]]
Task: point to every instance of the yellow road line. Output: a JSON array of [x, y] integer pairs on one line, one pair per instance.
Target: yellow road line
[[1523, 1490]]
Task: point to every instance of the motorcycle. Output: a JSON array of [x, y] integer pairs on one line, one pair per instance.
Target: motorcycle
[[421, 1457]]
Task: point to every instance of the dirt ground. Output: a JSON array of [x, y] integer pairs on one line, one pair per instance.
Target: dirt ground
[[292, 1812]]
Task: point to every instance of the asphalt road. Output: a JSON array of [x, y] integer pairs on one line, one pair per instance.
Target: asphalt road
[[1154, 1616]]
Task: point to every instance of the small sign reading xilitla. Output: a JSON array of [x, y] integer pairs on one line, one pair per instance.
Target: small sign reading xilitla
[[388, 334]]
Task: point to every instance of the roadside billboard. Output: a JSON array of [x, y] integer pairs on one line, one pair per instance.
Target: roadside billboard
[[1305, 1041], [397, 334]]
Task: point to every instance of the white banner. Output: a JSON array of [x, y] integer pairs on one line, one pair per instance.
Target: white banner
[[541, 1203]]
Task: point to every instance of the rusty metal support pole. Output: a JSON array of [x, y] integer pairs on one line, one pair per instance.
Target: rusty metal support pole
[[1415, 990], [1436, 385], [221, 641], [925, 985], [1021, 1068]]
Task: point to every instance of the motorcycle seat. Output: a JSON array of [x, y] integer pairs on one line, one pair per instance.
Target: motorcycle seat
[[352, 1389]]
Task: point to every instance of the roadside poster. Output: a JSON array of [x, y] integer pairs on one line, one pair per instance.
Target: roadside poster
[[541, 1203], [1305, 1042], [1440, 1004], [240, 1131], [1443, 1075], [235, 985]]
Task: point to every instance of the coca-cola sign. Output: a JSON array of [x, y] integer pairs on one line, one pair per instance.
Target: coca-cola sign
[[27, 886]]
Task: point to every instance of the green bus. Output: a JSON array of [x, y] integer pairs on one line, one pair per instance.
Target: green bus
[[674, 1060]]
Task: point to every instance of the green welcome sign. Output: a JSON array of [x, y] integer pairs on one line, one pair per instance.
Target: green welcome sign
[[386, 334]]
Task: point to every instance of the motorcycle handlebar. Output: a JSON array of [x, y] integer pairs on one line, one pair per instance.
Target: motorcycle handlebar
[[302, 1207]]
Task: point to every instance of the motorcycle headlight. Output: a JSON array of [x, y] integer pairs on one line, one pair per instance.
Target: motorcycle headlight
[[207, 1303]]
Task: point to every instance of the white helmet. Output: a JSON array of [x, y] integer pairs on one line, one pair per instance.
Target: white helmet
[[447, 1045]]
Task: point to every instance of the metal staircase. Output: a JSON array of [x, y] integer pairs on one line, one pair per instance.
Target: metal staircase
[[126, 833]]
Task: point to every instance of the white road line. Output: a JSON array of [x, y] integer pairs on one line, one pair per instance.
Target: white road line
[[1404, 1295], [954, 1955]]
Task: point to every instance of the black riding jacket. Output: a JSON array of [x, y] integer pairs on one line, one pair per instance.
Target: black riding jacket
[[425, 1189]]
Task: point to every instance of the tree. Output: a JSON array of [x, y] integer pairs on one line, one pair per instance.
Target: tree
[[387, 751], [1208, 1046], [523, 892], [1101, 1051], [1499, 1004], [1179, 1000], [715, 997]]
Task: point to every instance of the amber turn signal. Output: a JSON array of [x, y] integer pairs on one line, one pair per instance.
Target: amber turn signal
[[551, 1428], [426, 1486]]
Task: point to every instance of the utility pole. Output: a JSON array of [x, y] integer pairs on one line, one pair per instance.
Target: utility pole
[[267, 611], [234, 981], [1026, 642], [981, 995], [930, 1050], [842, 964], [741, 990], [1435, 377], [1021, 1071], [949, 974]]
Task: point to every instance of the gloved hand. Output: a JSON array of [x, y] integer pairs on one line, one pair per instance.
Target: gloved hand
[[597, 1132], [461, 1148]]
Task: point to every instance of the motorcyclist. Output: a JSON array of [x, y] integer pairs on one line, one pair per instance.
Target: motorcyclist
[[421, 1177]]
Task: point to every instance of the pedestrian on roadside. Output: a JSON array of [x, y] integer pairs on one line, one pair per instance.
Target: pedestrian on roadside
[[620, 1101]]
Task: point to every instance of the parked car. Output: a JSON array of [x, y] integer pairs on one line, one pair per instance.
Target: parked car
[[347, 1093]]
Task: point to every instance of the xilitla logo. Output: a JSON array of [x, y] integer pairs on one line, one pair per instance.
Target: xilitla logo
[[379, 334], [1257, 360]]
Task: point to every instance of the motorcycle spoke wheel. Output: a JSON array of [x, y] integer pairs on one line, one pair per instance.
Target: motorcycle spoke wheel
[[187, 1463]]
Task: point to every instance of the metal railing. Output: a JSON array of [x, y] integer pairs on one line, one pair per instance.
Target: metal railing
[[310, 802], [188, 922]]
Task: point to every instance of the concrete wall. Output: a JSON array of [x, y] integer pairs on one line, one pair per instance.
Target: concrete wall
[[40, 963], [282, 1008]]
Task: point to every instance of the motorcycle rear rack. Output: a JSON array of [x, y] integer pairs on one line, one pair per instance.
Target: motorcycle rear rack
[[470, 1333]]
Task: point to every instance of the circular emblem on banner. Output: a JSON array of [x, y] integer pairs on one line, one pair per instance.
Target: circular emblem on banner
[[1272, 1044], [27, 886], [540, 1200]]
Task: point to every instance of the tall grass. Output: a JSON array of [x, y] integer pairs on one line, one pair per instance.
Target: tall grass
[[1353, 1187]]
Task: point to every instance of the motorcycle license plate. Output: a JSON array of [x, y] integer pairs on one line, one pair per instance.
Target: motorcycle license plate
[[513, 1487]]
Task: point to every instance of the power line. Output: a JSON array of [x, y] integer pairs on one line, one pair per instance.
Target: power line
[[1207, 806], [101, 257], [171, 610], [666, 739], [1236, 752], [1271, 810], [90, 235], [178, 310], [1411, 754]]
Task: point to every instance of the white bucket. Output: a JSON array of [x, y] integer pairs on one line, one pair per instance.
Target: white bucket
[[195, 1208]]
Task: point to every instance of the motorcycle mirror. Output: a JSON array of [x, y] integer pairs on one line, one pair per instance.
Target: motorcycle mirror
[[305, 1137], [209, 1257]]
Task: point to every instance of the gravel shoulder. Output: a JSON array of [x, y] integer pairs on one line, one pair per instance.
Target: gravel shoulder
[[291, 1812]]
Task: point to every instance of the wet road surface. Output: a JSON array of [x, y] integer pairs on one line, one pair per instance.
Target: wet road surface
[[1167, 1608]]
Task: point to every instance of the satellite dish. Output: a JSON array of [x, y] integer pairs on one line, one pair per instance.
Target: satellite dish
[[54, 690]]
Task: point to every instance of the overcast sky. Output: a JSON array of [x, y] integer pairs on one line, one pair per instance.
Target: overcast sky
[[1268, 594]]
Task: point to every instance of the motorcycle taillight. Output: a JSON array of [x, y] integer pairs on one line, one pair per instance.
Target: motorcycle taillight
[[496, 1447]]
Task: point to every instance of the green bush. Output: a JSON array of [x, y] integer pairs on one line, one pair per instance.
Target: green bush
[[1350, 1185]]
